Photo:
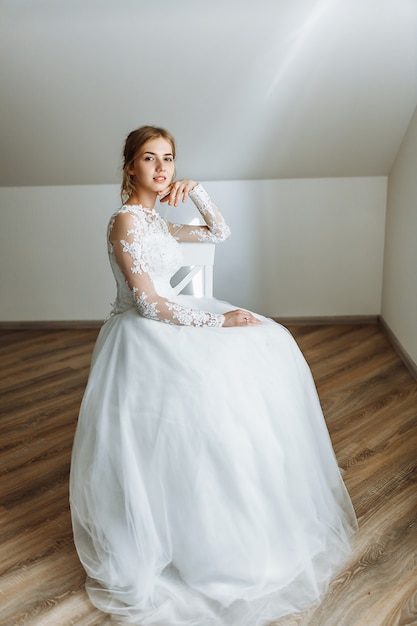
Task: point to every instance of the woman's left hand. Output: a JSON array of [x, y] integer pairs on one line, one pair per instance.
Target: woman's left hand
[[173, 193]]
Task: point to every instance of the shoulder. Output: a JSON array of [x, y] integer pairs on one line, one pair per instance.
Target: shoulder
[[127, 212], [125, 218]]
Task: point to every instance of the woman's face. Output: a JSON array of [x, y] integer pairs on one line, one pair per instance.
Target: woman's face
[[153, 168]]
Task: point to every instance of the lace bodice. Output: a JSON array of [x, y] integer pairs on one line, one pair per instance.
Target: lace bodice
[[144, 254]]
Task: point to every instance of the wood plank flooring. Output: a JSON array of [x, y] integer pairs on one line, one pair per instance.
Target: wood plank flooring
[[370, 403]]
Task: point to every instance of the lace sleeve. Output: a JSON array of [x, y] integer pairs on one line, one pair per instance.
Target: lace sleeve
[[126, 244], [215, 230]]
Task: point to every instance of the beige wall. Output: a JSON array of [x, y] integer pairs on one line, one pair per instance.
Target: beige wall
[[311, 247], [399, 294]]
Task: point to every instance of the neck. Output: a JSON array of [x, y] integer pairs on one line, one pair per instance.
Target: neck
[[144, 198]]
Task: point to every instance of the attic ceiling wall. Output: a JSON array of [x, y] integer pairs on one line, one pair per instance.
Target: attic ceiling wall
[[250, 88]]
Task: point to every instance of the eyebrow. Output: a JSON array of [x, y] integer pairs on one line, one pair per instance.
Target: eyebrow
[[154, 153]]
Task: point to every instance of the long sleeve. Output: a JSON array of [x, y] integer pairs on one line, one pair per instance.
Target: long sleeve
[[140, 254], [215, 229]]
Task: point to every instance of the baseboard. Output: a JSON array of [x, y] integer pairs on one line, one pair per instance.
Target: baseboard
[[324, 320], [285, 321], [398, 347], [51, 325]]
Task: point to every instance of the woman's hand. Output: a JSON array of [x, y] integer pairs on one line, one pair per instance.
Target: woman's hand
[[240, 318], [172, 194]]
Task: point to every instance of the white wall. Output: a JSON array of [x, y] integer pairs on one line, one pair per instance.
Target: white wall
[[311, 247], [399, 300], [53, 259]]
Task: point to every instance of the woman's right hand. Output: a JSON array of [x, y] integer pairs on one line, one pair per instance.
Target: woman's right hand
[[239, 317]]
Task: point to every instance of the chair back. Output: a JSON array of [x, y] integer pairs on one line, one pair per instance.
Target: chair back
[[197, 272]]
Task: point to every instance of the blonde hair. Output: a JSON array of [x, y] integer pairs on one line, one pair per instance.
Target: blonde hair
[[134, 142]]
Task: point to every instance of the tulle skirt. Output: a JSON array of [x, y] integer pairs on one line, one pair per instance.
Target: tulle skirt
[[204, 488]]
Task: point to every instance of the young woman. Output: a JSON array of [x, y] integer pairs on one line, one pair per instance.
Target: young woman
[[204, 487]]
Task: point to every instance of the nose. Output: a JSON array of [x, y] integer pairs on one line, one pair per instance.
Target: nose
[[160, 164]]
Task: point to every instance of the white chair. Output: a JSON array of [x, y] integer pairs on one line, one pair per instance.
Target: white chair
[[198, 269]]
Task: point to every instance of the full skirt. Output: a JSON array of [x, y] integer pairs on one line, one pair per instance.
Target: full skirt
[[204, 488]]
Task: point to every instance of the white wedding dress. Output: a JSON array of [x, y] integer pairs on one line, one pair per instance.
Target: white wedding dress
[[204, 488]]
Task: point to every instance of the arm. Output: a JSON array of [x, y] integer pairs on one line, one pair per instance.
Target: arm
[[215, 230], [126, 244]]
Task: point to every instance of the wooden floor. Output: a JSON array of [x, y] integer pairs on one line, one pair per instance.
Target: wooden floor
[[370, 403]]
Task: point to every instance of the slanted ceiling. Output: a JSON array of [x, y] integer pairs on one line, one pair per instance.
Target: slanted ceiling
[[250, 88]]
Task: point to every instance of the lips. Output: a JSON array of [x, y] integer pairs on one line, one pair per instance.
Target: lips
[[159, 179]]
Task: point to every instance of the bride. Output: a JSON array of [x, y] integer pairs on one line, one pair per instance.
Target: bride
[[204, 489]]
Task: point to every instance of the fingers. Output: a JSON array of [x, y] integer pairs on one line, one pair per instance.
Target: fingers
[[247, 319], [241, 318], [177, 191]]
